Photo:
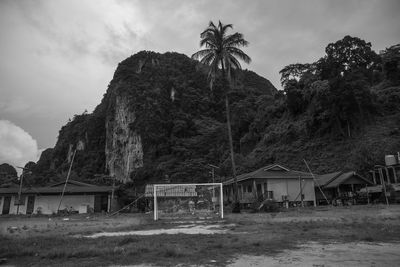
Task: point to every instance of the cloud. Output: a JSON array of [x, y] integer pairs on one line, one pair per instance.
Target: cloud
[[59, 56], [17, 146]]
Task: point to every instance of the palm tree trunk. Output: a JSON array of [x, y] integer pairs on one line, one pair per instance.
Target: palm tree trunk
[[228, 123], [236, 205]]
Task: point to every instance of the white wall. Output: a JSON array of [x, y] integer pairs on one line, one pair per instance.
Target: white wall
[[13, 207], [49, 204], [291, 188]]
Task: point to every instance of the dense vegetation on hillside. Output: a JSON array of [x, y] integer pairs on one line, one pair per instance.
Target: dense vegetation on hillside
[[8, 174], [181, 121], [340, 112]]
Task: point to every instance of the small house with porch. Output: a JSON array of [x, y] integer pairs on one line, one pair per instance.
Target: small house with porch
[[339, 186], [274, 182]]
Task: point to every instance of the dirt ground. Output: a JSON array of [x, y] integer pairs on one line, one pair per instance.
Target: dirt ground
[[324, 236]]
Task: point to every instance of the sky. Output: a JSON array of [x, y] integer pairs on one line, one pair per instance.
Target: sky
[[58, 56]]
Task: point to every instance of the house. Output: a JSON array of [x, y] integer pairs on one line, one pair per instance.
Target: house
[[78, 197], [341, 186], [274, 182]]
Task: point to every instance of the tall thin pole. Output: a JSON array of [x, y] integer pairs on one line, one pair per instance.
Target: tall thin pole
[[20, 187], [383, 185], [20, 191], [66, 180], [222, 201], [155, 202]]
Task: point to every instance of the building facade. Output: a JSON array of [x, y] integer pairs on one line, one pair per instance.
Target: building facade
[[78, 198], [274, 182]]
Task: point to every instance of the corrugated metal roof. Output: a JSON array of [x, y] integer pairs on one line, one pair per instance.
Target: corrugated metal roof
[[325, 179], [72, 182], [274, 171], [334, 179], [55, 190]]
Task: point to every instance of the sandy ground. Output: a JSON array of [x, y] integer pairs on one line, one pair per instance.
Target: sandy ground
[[337, 254], [326, 236], [187, 229], [25, 226], [322, 255]]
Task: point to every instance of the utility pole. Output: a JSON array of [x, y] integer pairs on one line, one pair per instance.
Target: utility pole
[[20, 188], [213, 167], [66, 181]]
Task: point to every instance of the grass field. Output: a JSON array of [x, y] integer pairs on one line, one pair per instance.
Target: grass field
[[242, 239]]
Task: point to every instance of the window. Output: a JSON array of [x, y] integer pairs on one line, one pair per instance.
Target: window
[[270, 194]]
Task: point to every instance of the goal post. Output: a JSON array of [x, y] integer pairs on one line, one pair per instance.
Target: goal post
[[201, 200]]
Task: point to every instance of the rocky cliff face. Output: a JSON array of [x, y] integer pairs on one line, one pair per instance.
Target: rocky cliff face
[[158, 118], [124, 151]]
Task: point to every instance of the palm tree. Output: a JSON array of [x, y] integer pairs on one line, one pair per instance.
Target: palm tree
[[222, 51]]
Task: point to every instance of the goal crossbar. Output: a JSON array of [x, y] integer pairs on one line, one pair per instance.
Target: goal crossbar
[[155, 186]]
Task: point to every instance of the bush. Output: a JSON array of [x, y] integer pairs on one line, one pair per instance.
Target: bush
[[267, 205]]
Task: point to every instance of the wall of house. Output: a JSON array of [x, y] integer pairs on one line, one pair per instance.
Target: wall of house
[[279, 187], [49, 204], [13, 206]]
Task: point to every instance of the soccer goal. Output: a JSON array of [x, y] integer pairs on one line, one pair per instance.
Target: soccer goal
[[180, 201]]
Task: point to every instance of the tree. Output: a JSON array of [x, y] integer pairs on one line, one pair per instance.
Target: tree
[[7, 174], [391, 64], [222, 50], [347, 55]]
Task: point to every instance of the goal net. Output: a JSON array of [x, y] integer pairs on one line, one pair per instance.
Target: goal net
[[180, 201]]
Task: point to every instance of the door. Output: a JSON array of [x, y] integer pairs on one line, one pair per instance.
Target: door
[[259, 191], [30, 204], [100, 203], [6, 205]]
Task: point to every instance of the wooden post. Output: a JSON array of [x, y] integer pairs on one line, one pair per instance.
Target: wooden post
[[301, 192], [155, 202], [255, 188], [387, 175], [373, 176], [383, 185], [366, 190], [394, 174], [222, 203]]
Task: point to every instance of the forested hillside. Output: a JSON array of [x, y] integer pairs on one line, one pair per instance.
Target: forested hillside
[[160, 120], [340, 112]]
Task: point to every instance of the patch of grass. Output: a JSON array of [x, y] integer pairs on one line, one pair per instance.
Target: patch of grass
[[368, 239], [127, 240], [173, 252], [219, 246]]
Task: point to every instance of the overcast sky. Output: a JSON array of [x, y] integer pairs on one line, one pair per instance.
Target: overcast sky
[[57, 57]]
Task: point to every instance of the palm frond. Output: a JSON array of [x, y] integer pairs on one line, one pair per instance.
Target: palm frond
[[221, 48], [235, 40], [201, 53], [240, 54]]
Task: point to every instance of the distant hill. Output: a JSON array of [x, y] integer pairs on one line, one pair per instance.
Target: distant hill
[[159, 120]]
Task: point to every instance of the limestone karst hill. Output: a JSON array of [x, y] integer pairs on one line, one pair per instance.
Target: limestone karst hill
[[159, 119]]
